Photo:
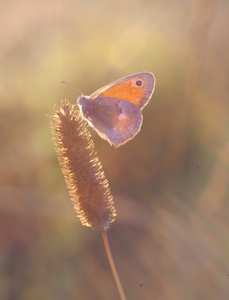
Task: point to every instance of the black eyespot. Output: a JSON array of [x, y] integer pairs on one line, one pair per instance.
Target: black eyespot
[[138, 82]]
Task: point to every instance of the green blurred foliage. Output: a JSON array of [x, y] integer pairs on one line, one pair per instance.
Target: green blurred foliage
[[170, 183]]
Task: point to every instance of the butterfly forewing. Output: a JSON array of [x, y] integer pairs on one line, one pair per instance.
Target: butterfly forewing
[[136, 88]]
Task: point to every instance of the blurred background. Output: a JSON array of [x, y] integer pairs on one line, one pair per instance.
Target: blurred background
[[170, 183]]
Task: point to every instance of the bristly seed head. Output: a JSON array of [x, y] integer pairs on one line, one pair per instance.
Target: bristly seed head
[[88, 188]]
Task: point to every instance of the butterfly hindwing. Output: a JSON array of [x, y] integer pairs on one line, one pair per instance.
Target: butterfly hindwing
[[115, 120]]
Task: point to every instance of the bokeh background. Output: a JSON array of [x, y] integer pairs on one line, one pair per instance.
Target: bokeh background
[[170, 183]]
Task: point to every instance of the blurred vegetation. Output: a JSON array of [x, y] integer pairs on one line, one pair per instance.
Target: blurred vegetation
[[170, 183]]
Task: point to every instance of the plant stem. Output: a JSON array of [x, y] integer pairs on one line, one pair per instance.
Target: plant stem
[[112, 265]]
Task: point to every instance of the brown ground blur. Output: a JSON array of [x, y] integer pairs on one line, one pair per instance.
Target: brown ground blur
[[170, 184]]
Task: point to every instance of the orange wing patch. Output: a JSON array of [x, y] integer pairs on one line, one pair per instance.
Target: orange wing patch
[[128, 91]]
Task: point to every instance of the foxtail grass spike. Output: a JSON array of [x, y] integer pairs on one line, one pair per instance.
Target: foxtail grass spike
[[88, 188]]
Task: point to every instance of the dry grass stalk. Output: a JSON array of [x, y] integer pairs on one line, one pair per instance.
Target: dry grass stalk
[[88, 188]]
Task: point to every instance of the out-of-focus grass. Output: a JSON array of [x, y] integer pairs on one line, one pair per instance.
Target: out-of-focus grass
[[170, 183]]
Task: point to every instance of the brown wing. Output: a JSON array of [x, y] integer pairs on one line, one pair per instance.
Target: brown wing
[[115, 120]]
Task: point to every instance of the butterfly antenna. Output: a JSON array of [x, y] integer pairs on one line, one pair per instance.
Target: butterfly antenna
[[72, 87]]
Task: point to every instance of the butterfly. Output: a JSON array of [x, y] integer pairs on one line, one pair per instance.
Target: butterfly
[[114, 110]]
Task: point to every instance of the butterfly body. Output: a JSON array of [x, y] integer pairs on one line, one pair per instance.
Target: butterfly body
[[114, 111]]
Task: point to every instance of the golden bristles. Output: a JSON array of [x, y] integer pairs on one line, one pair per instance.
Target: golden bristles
[[88, 188]]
